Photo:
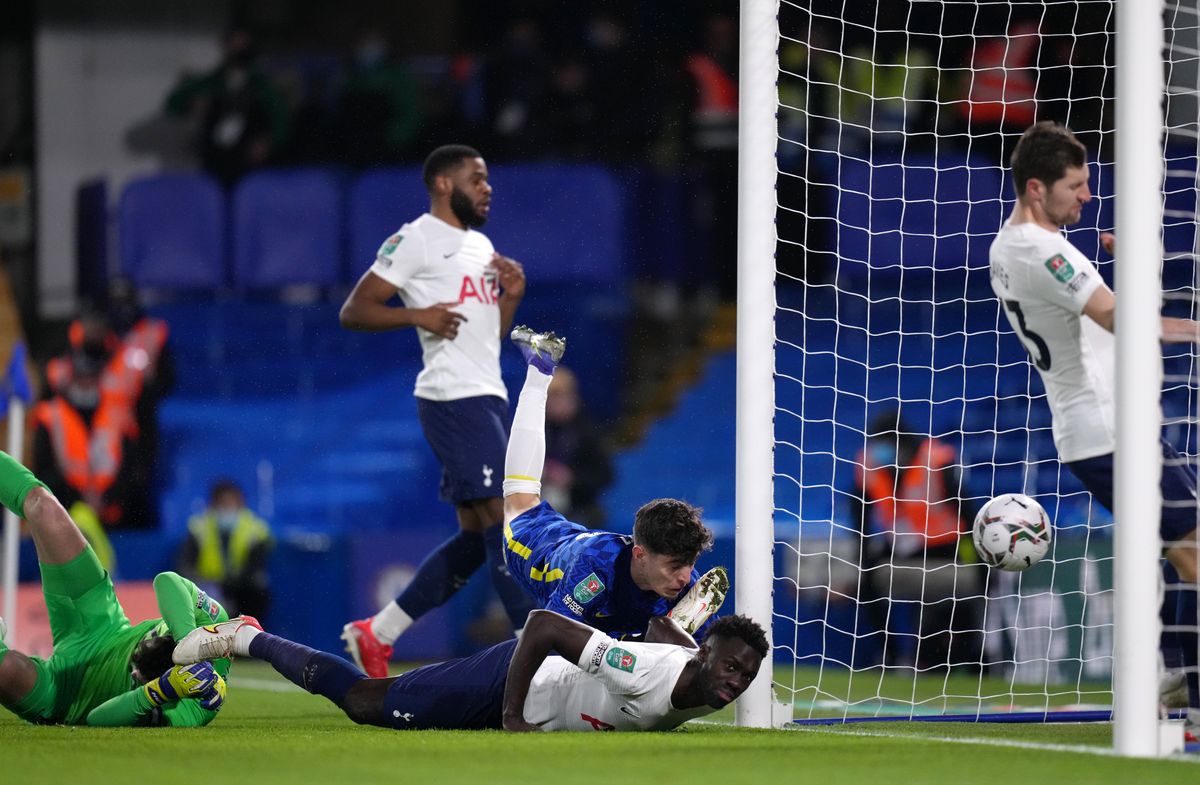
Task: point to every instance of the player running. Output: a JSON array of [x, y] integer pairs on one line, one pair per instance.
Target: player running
[[461, 295], [104, 670], [596, 682], [613, 582], [1063, 312]]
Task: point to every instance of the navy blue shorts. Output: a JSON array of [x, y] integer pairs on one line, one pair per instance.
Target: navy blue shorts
[[466, 693], [469, 437], [1178, 489]]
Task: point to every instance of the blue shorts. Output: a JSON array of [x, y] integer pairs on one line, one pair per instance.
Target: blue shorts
[[469, 437], [462, 694], [1178, 489]]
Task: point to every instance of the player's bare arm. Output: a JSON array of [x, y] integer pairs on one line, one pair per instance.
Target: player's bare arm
[[1101, 307], [367, 310], [544, 632], [512, 286]]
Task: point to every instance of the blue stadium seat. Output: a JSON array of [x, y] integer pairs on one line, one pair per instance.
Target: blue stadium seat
[[287, 228], [379, 202], [171, 231], [564, 223]]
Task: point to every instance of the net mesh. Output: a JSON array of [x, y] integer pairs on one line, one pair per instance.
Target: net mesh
[[895, 126]]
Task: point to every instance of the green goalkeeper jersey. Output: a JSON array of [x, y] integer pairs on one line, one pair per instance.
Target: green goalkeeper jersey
[[110, 696]]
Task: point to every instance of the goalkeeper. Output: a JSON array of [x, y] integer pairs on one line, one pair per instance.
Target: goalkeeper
[[104, 670], [612, 582]]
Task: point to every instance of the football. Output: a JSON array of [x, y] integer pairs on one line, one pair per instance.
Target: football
[[1012, 532]]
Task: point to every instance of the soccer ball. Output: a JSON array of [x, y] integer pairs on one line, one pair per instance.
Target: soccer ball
[[1012, 532]]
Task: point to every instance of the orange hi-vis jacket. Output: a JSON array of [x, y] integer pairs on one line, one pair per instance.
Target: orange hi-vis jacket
[[913, 499], [1003, 87], [89, 458]]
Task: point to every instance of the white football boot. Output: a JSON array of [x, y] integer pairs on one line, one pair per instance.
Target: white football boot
[[702, 600], [216, 641]]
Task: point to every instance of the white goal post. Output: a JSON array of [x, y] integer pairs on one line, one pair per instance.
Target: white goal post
[[870, 186]]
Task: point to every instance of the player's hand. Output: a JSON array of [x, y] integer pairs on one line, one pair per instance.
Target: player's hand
[[1109, 241], [182, 681], [215, 696], [440, 320], [512, 275], [518, 724]]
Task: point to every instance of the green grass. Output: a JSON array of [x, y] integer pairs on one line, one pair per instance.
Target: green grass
[[265, 737]]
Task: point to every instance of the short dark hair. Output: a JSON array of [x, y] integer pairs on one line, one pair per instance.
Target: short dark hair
[[1045, 152], [740, 627], [670, 527], [152, 656], [222, 486], [444, 159]]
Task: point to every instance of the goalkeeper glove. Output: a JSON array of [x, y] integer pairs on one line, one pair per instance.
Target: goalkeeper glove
[[182, 681], [214, 697], [702, 600]]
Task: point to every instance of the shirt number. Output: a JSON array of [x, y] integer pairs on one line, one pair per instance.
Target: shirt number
[[1041, 357]]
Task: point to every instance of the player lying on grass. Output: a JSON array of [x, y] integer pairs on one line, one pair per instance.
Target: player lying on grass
[[595, 682], [614, 582], [104, 670]]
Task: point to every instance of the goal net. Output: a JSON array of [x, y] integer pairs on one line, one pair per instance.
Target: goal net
[[895, 122]]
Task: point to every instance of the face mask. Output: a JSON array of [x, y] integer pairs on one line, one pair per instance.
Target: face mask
[[83, 397], [226, 521]]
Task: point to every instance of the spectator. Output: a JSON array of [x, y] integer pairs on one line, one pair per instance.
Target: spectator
[[998, 99], [909, 507], [578, 466], [226, 552], [242, 118], [377, 110], [517, 85], [85, 432]]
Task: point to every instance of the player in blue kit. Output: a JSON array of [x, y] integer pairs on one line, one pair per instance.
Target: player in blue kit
[[460, 295], [613, 582]]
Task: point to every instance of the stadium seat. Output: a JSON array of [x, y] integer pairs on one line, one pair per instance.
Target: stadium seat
[[171, 232], [378, 202], [287, 229]]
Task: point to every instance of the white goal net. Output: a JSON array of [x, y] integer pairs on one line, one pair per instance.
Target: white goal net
[[896, 121]]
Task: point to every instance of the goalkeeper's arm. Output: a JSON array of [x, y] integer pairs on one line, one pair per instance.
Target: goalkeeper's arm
[[184, 696], [526, 455]]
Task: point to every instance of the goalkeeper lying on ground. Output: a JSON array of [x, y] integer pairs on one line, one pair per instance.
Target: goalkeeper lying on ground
[[104, 670]]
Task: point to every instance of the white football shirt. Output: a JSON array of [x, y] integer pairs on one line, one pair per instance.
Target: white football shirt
[[616, 685], [432, 262], [1043, 283]]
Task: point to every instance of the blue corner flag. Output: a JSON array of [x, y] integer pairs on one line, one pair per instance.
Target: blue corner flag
[[16, 379]]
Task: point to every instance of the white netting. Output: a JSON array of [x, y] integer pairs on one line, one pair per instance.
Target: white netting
[[896, 121]]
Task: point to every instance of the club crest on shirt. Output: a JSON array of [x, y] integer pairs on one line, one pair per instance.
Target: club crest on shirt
[[1060, 268], [621, 660], [588, 588]]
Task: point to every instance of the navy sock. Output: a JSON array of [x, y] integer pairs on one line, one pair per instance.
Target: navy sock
[[517, 603], [1170, 643], [443, 573], [1188, 642], [316, 671]]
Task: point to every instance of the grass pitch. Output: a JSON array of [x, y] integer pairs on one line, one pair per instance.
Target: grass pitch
[[271, 732]]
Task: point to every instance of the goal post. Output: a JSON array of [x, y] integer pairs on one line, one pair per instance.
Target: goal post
[[757, 135], [1138, 468], [874, 175]]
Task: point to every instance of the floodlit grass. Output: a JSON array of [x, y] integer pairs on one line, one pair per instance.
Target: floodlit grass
[[270, 732]]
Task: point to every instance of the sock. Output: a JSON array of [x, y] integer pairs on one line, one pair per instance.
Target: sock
[[1188, 641], [526, 455], [242, 639], [390, 623], [15, 484], [1169, 644], [516, 602], [316, 671], [443, 573]]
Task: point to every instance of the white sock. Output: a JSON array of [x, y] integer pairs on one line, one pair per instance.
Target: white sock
[[390, 623], [242, 638], [526, 455]]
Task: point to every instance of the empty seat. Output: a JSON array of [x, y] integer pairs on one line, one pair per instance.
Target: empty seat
[[287, 229], [171, 232], [378, 203]]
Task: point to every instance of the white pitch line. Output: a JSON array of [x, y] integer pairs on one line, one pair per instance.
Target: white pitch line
[[264, 685], [1080, 749]]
